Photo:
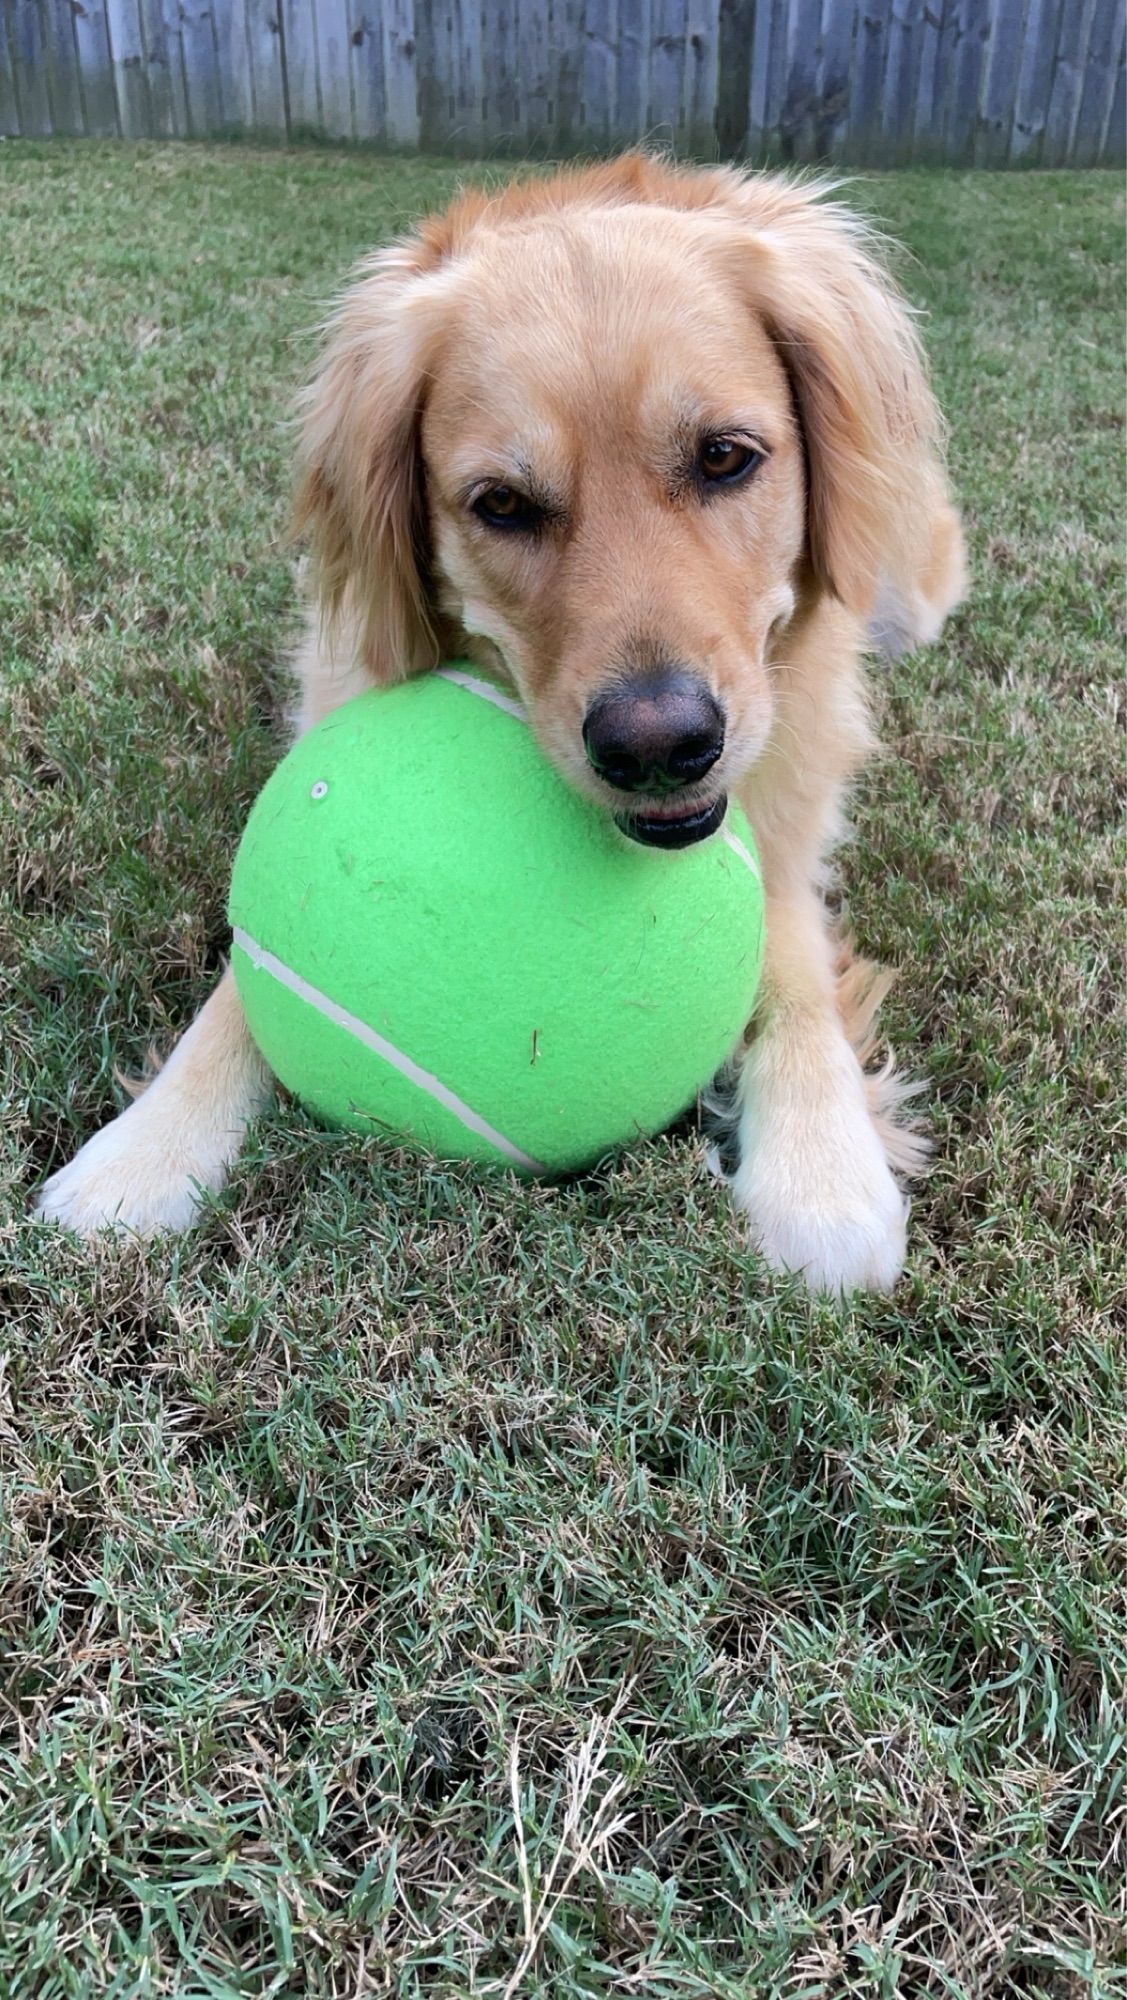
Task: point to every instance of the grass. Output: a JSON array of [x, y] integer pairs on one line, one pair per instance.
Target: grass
[[416, 1586]]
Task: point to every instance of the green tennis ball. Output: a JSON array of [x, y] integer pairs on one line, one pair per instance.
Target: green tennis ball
[[437, 939]]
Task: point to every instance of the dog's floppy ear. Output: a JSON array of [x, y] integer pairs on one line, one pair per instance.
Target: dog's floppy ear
[[360, 495], [882, 537]]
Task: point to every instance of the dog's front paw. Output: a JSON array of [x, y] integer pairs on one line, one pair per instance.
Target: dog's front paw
[[132, 1175], [816, 1186]]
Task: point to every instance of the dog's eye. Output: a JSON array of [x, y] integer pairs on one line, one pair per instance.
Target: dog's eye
[[724, 460], [504, 507]]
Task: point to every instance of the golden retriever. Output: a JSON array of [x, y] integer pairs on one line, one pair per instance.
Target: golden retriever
[[657, 445]]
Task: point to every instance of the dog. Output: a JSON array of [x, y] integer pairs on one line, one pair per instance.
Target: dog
[[657, 445]]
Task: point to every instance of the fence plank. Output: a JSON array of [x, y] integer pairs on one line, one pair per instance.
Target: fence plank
[[9, 102], [634, 69], [1068, 77], [965, 79], [264, 60], [735, 31], [299, 40], [498, 49], [907, 22], [333, 68], [28, 67], [1115, 132], [839, 27], [469, 70], [992, 143], [536, 67], [1098, 85], [202, 87], [927, 121], [1034, 79], [164, 80], [92, 43], [131, 83], [600, 73], [429, 24], [64, 84], [702, 64], [365, 54], [799, 115], [562, 32], [401, 72], [667, 67], [233, 50], [768, 67], [869, 51]]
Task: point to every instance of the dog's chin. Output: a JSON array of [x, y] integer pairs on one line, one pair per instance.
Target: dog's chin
[[674, 829]]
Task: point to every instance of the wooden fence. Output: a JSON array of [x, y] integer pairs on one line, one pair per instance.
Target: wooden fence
[[1037, 82]]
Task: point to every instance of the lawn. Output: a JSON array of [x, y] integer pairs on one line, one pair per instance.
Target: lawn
[[412, 1586]]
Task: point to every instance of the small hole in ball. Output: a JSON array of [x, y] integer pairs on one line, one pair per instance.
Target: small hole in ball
[[319, 790]]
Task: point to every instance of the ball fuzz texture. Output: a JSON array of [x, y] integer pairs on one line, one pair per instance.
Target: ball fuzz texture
[[437, 939]]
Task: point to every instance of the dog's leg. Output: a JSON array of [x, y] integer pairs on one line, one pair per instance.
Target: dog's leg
[[145, 1171], [813, 1174]]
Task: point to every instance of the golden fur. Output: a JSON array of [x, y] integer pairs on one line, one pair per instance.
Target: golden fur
[[569, 331]]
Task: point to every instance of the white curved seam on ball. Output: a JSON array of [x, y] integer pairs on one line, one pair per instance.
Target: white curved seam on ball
[[488, 692], [265, 961], [484, 689], [737, 846]]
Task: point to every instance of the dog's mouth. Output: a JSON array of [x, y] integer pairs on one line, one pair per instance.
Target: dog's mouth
[[671, 826]]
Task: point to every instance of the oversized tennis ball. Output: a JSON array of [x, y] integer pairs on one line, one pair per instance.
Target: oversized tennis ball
[[437, 939]]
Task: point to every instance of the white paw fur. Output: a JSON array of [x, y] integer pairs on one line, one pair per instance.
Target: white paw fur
[[138, 1173], [813, 1177]]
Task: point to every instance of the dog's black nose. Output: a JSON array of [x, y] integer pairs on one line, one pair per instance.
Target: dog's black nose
[[654, 732]]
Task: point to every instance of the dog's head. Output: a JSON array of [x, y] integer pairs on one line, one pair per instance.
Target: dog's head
[[613, 431]]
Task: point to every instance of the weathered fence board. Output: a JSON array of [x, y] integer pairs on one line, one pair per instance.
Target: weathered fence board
[[634, 18], [870, 48], [366, 61], [536, 110], [206, 112], [1034, 79], [467, 67], [703, 69], [9, 107], [168, 97], [29, 63], [803, 82], [987, 82], [264, 63], [127, 57], [401, 80], [1117, 109], [667, 64], [333, 68], [1098, 82], [95, 61], [1003, 65], [971, 31], [768, 77], [64, 84], [1068, 74], [733, 87], [299, 39], [599, 84], [906, 25], [837, 55], [563, 45]]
